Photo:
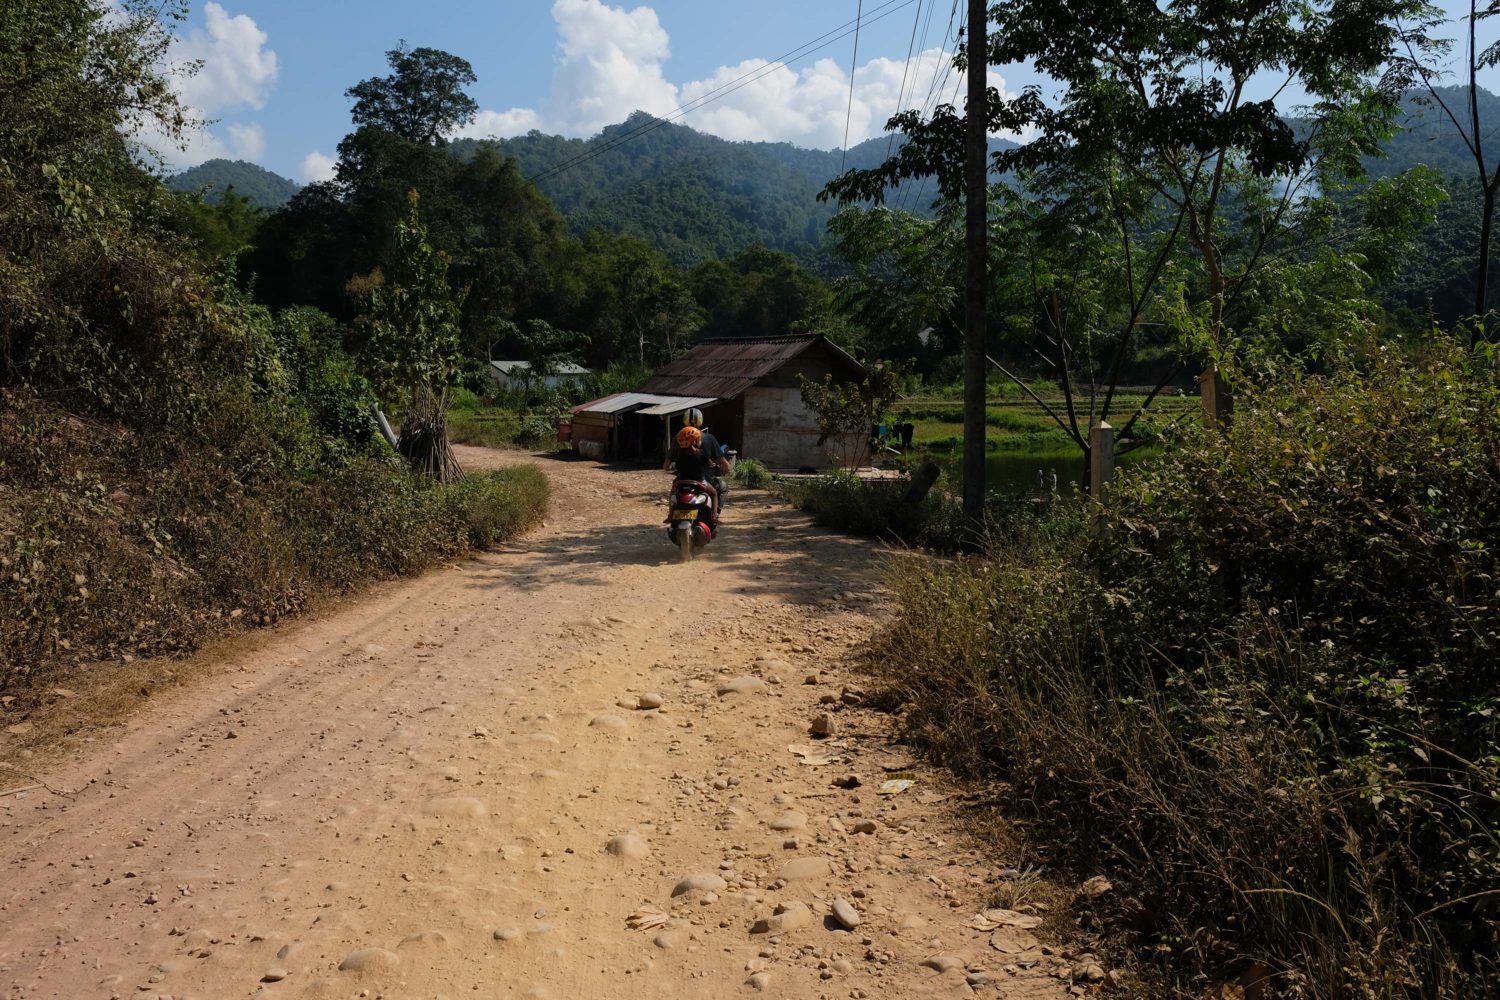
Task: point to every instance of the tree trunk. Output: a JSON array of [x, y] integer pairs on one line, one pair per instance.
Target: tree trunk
[[1482, 275]]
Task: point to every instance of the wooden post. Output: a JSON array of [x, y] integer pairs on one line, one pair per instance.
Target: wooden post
[[1101, 460], [1218, 401], [976, 223]]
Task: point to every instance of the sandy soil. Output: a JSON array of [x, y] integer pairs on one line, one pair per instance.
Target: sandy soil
[[447, 788]]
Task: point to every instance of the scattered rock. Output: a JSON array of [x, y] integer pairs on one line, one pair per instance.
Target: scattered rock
[[803, 868], [20, 729], [274, 975], [810, 679], [846, 781], [628, 846], [665, 940], [759, 981], [507, 934], [649, 699], [369, 960], [786, 917], [943, 963], [852, 696], [864, 826], [741, 685], [823, 726], [608, 722], [703, 881], [845, 913], [1013, 940], [789, 820], [1088, 972]]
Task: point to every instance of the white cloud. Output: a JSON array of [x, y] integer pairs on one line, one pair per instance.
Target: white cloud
[[236, 73], [316, 166], [501, 124], [610, 63], [238, 70], [247, 140]]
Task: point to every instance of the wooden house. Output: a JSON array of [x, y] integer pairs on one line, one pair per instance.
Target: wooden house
[[748, 390]]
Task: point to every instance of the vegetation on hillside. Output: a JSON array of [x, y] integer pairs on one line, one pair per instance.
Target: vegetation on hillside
[[175, 460], [216, 178]]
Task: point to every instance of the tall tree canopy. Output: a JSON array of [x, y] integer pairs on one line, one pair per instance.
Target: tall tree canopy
[[422, 100]]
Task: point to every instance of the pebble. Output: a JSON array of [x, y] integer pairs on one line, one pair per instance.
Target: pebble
[[629, 846], [649, 699], [665, 940], [790, 820], [823, 726], [507, 933], [845, 913], [786, 917], [741, 685], [943, 963], [368, 960], [608, 722], [274, 975], [801, 868], [759, 981], [864, 826], [701, 881]]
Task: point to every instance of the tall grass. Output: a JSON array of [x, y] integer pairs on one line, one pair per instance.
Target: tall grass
[[1263, 700], [113, 548]]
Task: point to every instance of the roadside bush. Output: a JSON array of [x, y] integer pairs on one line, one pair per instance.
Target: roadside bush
[[752, 473], [536, 431], [1264, 700], [845, 502], [106, 557]]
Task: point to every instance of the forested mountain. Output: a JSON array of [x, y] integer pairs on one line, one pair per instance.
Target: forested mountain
[[694, 196], [260, 186], [1428, 137]]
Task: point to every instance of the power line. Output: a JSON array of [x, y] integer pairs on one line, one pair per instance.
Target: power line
[[929, 105], [724, 90], [859, 12], [911, 47]]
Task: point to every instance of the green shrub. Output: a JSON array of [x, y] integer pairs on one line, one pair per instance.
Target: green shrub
[[752, 473], [1264, 700], [106, 555], [536, 431], [845, 502]]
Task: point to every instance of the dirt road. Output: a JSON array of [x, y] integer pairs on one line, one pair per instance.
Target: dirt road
[[447, 788]]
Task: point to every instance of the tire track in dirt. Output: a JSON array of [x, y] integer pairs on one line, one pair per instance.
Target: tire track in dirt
[[415, 794]]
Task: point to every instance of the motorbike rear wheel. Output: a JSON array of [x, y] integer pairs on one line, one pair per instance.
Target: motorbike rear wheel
[[685, 544]]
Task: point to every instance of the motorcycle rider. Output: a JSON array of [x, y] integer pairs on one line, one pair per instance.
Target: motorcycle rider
[[692, 462], [718, 457]]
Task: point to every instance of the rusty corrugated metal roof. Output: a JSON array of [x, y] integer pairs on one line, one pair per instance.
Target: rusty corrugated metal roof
[[725, 368]]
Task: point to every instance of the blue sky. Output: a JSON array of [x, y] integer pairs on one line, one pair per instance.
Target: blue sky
[[274, 71]]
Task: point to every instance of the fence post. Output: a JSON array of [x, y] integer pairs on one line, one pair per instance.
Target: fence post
[[1101, 460]]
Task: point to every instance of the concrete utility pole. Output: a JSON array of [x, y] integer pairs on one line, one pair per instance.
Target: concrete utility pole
[[976, 255]]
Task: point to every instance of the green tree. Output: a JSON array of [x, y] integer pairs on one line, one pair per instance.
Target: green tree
[[845, 411], [412, 350], [1156, 164], [423, 99]]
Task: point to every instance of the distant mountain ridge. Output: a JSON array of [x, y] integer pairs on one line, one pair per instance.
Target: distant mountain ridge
[[263, 188], [696, 196]]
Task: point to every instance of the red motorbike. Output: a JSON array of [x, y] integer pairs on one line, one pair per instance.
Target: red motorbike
[[690, 519]]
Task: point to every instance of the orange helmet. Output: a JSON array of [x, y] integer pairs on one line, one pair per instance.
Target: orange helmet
[[689, 437]]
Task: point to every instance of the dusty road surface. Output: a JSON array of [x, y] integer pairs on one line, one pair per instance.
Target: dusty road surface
[[449, 788]]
